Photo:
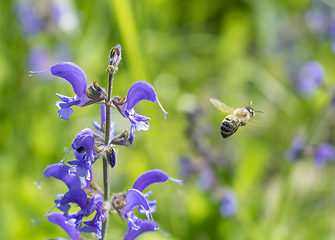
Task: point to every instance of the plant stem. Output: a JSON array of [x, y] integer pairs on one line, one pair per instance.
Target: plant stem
[[105, 163]]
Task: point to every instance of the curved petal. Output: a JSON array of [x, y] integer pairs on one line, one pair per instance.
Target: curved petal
[[145, 226], [139, 91], [63, 222], [85, 139], [77, 196], [133, 199], [73, 74], [150, 177], [60, 171]]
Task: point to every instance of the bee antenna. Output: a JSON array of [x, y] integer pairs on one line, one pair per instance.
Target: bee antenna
[[260, 111]]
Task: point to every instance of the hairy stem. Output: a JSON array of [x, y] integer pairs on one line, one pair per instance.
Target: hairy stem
[[105, 163]]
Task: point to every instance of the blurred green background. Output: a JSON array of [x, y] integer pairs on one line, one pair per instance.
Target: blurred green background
[[190, 51]]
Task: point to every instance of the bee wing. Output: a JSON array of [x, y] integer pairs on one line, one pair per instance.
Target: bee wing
[[221, 106]]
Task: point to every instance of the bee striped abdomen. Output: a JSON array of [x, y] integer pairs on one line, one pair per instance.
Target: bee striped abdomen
[[229, 126]]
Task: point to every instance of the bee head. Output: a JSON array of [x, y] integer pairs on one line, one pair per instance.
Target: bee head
[[250, 110]]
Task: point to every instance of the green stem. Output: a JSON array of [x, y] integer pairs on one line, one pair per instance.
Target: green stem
[[105, 163]]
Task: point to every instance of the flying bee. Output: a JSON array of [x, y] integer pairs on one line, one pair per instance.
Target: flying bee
[[237, 117]]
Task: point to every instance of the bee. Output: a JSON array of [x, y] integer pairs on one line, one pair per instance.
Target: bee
[[237, 117]]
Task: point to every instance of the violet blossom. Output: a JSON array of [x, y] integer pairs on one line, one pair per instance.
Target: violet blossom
[[228, 205], [135, 197], [324, 153], [66, 223], [83, 143], [296, 150], [310, 77], [77, 78], [139, 91]]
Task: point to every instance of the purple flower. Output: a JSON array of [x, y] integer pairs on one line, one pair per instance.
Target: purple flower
[[66, 223], [94, 225], [77, 78], [228, 205], [323, 153], [39, 58], [85, 154], [61, 172], [207, 179], [31, 22], [139, 91], [144, 226], [310, 77], [134, 197], [296, 149]]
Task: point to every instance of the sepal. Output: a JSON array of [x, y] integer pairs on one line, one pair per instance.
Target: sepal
[[96, 93], [123, 139]]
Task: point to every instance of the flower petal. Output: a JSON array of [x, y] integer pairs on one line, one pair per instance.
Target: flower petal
[[77, 196], [150, 177], [60, 171], [133, 199], [73, 74], [145, 226], [85, 139], [139, 91], [65, 223]]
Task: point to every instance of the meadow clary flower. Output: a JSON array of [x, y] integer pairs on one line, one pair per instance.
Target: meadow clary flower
[[323, 153], [77, 78], [310, 77], [30, 21], [66, 223], [83, 143], [61, 172], [134, 197], [139, 91], [228, 205], [296, 149]]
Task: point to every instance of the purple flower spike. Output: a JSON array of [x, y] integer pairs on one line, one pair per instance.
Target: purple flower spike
[[145, 226], [66, 223], [150, 177], [77, 196], [85, 140], [77, 78], [139, 91], [60, 171], [323, 153]]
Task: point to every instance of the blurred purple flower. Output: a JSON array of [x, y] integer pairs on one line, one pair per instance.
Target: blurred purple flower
[[296, 149], [309, 77], [30, 21], [139, 91], [228, 205], [186, 167], [39, 58], [206, 179], [324, 153]]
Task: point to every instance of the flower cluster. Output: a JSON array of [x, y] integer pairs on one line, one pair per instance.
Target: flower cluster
[[89, 146], [322, 153]]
